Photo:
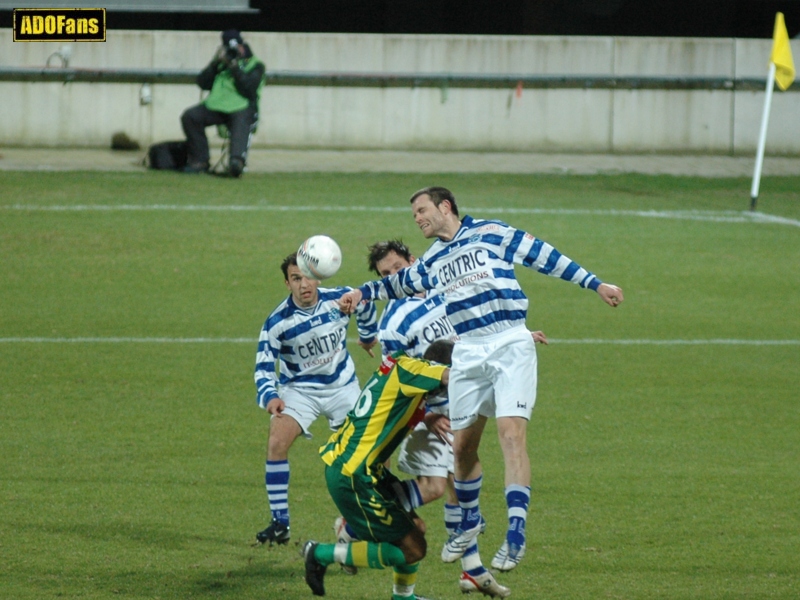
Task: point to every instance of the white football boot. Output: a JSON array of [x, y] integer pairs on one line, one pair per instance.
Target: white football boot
[[485, 584], [508, 557], [458, 542]]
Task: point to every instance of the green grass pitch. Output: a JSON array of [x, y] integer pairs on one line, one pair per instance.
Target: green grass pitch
[[133, 451]]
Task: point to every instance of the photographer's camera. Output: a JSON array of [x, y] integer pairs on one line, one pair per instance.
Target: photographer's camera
[[232, 50]]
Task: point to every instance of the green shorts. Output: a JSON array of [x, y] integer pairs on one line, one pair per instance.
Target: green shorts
[[368, 505]]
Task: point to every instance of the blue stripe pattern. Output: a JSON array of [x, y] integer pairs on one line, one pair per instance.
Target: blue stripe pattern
[[307, 347], [475, 272], [412, 324]]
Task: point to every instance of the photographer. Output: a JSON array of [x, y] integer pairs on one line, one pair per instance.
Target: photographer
[[235, 78]]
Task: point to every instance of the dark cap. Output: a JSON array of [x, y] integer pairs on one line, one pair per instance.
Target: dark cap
[[231, 34]]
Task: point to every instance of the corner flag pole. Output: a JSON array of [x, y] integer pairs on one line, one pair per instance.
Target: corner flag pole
[[762, 137], [781, 70]]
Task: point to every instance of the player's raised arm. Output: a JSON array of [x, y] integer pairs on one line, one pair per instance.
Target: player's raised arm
[[409, 281]]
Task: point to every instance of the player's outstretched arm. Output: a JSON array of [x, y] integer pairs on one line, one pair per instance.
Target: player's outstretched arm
[[611, 294], [349, 301]]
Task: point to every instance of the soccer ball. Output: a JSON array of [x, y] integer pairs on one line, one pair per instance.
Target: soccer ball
[[319, 257]]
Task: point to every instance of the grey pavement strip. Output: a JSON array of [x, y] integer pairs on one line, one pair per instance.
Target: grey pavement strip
[[396, 161]]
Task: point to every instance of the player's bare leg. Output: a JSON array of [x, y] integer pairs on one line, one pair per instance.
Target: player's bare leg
[[513, 434], [465, 448], [431, 488], [283, 431]]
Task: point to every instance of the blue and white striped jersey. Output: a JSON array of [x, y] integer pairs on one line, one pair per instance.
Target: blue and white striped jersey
[[412, 324], [475, 272], [309, 345]]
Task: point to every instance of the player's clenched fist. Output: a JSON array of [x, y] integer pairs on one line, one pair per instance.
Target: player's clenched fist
[[611, 294], [349, 301]]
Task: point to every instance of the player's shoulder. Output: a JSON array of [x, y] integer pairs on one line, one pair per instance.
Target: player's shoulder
[[280, 313], [398, 315], [415, 365], [433, 298], [402, 305], [409, 361], [471, 226]]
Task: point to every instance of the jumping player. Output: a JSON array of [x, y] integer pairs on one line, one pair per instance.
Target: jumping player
[[472, 263], [306, 337], [411, 324]]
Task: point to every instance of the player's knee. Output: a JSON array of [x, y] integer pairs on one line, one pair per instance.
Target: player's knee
[[436, 487], [466, 453], [278, 445], [512, 432], [188, 118]]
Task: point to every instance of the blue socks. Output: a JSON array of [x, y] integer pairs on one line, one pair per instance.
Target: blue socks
[[277, 481], [467, 493], [517, 498]]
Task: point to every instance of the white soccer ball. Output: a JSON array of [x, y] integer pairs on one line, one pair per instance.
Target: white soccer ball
[[319, 257]]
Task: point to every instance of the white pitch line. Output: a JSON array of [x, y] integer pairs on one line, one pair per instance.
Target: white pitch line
[[710, 342], [723, 216], [207, 340], [126, 340]]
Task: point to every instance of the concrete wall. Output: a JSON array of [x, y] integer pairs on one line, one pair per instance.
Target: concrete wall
[[82, 114]]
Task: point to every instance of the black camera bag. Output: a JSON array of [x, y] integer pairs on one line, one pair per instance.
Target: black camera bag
[[167, 155]]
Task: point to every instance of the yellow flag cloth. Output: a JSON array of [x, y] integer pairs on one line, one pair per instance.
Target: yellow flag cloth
[[782, 54]]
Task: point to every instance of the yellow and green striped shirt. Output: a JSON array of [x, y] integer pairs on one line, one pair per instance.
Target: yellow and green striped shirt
[[390, 406]]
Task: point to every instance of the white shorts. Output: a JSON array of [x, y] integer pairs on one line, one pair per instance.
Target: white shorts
[[424, 454], [304, 405], [492, 376]]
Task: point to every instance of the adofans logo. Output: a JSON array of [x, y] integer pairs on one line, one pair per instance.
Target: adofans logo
[[59, 24]]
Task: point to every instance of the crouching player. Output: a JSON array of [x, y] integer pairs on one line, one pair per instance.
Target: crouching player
[[391, 404]]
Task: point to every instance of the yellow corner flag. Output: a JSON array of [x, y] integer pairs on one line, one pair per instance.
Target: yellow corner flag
[[782, 54]]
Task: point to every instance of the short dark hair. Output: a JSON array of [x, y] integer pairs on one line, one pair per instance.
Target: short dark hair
[[379, 250], [287, 262], [438, 195], [440, 351]]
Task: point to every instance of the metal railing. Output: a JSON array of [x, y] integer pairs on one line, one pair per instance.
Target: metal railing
[[395, 80]]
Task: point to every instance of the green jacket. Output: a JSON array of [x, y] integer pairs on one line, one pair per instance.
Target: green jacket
[[235, 87]]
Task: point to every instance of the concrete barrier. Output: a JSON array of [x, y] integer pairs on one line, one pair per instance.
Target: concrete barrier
[[416, 118]]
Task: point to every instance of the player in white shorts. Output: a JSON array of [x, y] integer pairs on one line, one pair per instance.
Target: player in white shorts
[[511, 357], [305, 337], [411, 324], [472, 263]]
